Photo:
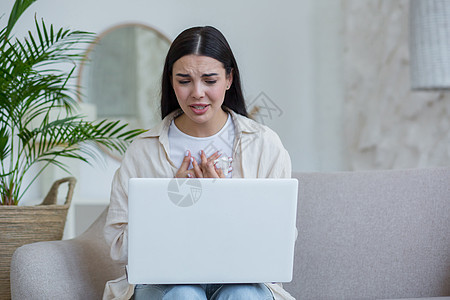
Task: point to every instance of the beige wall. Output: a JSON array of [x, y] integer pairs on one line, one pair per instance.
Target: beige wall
[[386, 124]]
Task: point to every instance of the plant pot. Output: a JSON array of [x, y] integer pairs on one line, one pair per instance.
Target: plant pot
[[20, 225]]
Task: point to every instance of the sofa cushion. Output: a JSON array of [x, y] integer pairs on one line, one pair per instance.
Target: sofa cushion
[[373, 234]]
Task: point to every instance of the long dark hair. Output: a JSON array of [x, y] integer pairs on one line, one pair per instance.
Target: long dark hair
[[204, 41]]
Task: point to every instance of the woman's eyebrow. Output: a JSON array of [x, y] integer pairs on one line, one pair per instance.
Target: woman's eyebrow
[[209, 74], [204, 75]]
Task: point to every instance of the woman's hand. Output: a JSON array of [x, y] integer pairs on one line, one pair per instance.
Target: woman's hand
[[184, 171], [206, 169]]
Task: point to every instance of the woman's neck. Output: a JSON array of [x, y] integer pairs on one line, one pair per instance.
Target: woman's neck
[[206, 129]]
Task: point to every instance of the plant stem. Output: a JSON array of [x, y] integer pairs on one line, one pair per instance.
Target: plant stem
[[12, 148], [34, 178]]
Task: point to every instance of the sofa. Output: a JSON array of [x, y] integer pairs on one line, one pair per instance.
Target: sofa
[[361, 235]]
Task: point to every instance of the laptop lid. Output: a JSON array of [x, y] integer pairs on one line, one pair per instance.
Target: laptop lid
[[237, 230]]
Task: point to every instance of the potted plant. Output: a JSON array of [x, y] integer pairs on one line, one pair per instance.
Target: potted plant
[[39, 127]]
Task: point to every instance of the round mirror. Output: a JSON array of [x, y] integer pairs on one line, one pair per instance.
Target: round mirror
[[121, 76]]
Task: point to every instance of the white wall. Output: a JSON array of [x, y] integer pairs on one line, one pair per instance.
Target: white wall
[[328, 85]]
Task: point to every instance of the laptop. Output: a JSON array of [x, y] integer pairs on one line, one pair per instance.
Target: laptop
[[193, 231]]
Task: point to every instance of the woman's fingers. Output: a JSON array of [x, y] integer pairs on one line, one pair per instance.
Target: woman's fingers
[[214, 156], [206, 168], [197, 171], [186, 161], [219, 172], [207, 165], [183, 171]]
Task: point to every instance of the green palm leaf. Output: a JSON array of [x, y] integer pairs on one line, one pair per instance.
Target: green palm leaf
[[34, 85], [19, 7]]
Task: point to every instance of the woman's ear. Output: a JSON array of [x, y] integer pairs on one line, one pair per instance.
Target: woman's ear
[[229, 79]]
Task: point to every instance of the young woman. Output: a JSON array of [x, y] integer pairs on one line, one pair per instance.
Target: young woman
[[204, 133]]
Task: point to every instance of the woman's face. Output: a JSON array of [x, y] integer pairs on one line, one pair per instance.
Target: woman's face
[[200, 84]]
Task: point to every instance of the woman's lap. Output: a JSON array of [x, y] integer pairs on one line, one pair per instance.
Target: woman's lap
[[204, 292]]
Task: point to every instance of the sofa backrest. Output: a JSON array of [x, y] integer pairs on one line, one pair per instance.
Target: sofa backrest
[[373, 235]]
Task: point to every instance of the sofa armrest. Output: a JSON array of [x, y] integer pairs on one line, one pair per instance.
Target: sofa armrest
[[68, 269], [57, 269]]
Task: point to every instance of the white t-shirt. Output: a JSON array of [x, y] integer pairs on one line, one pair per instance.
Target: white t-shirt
[[180, 142]]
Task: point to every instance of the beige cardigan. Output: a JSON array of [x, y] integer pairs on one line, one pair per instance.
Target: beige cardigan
[[257, 153]]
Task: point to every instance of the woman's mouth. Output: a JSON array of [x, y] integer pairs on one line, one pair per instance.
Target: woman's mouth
[[199, 108]]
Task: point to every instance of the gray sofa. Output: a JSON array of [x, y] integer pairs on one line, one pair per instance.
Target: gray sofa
[[362, 235]]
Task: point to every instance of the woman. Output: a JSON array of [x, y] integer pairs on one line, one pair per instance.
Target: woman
[[204, 131]]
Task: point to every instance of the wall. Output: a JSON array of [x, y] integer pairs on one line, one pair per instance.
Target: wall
[[386, 124], [328, 85]]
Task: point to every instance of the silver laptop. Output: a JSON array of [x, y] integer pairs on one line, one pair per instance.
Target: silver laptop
[[186, 231]]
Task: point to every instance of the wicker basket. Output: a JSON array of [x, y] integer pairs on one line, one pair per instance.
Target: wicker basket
[[20, 225]]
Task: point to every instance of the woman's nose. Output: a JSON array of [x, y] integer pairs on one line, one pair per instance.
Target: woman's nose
[[198, 91]]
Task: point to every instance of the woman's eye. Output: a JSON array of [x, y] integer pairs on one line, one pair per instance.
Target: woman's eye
[[183, 81], [211, 81]]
